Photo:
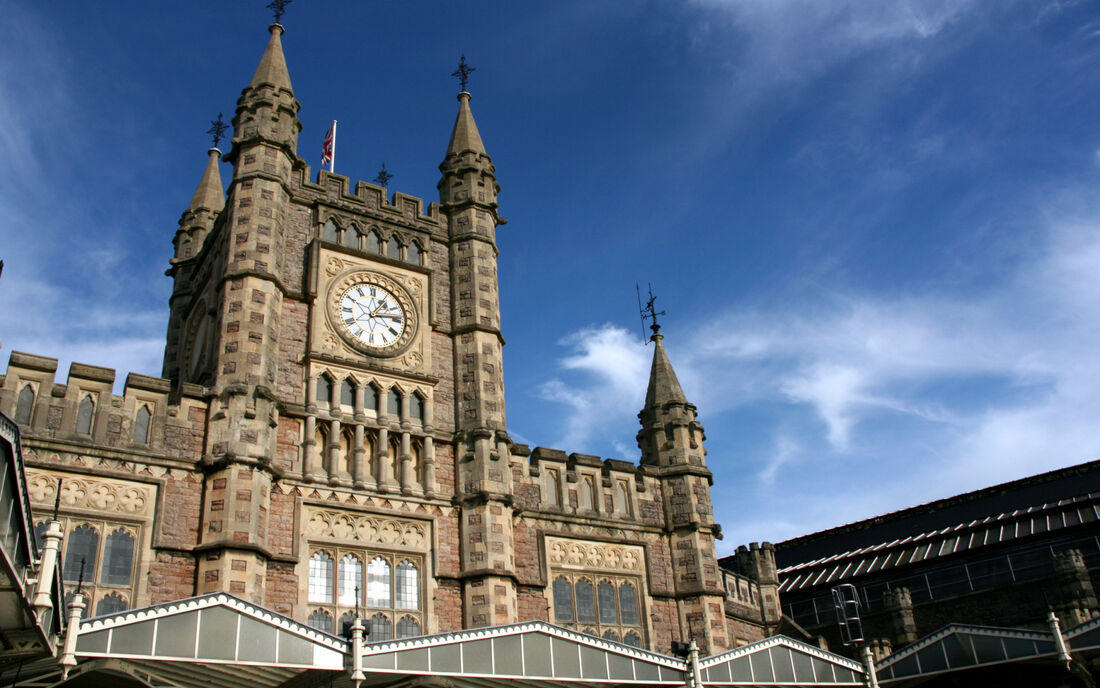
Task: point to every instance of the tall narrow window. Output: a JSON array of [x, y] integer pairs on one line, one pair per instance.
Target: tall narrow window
[[587, 495], [372, 397], [605, 593], [110, 604], [393, 248], [324, 389], [628, 605], [393, 403], [347, 392], [373, 244], [408, 627], [378, 583], [563, 600], [84, 413], [347, 441], [416, 407], [141, 425], [551, 488], [622, 497], [407, 590], [82, 547], [586, 602], [330, 232], [320, 578], [24, 405], [351, 580], [412, 253], [118, 558]]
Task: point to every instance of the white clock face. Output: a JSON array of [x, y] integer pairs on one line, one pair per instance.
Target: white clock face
[[372, 315]]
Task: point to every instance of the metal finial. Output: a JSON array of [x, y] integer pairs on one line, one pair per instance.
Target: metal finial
[[463, 72], [80, 580], [57, 499], [648, 311], [278, 7], [217, 129], [357, 601], [383, 177]]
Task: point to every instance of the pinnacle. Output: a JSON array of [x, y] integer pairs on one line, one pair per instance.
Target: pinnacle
[[663, 385], [465, 136], [272, 69], [210, 194]]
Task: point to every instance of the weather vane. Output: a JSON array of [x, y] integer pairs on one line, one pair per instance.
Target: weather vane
[[648, 311], [279, 7], [384, 176], [217, 129], [463, 72]]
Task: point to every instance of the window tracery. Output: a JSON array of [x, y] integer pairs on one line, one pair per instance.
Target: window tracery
[[101, 557], [604, 606], [390, 603]]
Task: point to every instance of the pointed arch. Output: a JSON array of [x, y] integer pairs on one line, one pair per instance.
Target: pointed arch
[[141, 424], [551, 487], [393, 402], [118, 558], [80, 553], [378, 583], [416, 407], [628, 604], [321, 620], [407, 586], [324, 388], [320, 577], [24, 405], [111, 604], [347, 392], [586, 493], [622, 498], [350, 237], [393, 248], [85, 412], [607, 602], [330, 232], [380, 628], [371, 397], [563, 600], [408, 627], [351, 580], [413, 253], [586, 601]]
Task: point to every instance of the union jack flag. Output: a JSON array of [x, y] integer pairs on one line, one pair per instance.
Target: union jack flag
[[328, 150]]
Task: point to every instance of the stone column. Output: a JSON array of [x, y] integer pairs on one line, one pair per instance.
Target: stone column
[[406, 463], [899, 613], [332, 451]]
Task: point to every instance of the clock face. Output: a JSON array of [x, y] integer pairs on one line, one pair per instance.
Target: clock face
[[372, 315]]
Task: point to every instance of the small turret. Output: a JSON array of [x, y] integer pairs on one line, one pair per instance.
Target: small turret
[[670, 433], [267, 109], [197, 221]]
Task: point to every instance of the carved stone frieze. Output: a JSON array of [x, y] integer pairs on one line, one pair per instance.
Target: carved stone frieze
[[587, 555], [95, 494], [369, 529]]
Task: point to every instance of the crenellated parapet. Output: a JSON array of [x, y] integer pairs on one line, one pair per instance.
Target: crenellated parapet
[[84, 409]]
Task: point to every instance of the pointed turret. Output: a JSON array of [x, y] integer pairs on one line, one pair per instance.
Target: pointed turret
[[670, 434], [267, 110], [465, 136], [210, 194], [197, 221], [468, 171]]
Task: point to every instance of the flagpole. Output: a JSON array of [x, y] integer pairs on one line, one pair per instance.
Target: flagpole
[[332, 160]]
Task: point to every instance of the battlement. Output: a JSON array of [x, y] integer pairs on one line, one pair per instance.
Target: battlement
[[85, 410], [334, 188]]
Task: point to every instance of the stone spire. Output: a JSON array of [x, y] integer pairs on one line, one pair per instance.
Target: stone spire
[[465, 136], [272, 68], [210, 195], [664, 388], [670, 433]]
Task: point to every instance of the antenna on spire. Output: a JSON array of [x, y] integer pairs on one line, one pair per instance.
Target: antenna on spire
[[383, 177], [648, 311], [217, 129], [278, 7], [463, 72]]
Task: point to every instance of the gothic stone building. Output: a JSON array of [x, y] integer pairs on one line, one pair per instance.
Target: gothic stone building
[[329, 434]]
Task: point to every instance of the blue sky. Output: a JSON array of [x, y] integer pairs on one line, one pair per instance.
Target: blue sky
[[875, 227]]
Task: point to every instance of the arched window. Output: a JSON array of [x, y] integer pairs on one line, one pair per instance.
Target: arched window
[[82, 546], [586, 603], [551, 488], [350, 237], [605, 593], [395, 455], [110, 604], [393, 402], [141, 425], [628, 604], [84, 413], [320, 579], [380, 628], [330, 232], [373, 243], [407, 586], [347, 392], [611, 635], [371, 400], [563, 600], [118, 558], [324, 388], [408, 627], [632, 639], [412, 253], [416, 407], [24, 405], [321, 620], [351, 580], [320, 442], [347, 441], [393, 248], [622, 497], [586, 493], [378, 583]]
